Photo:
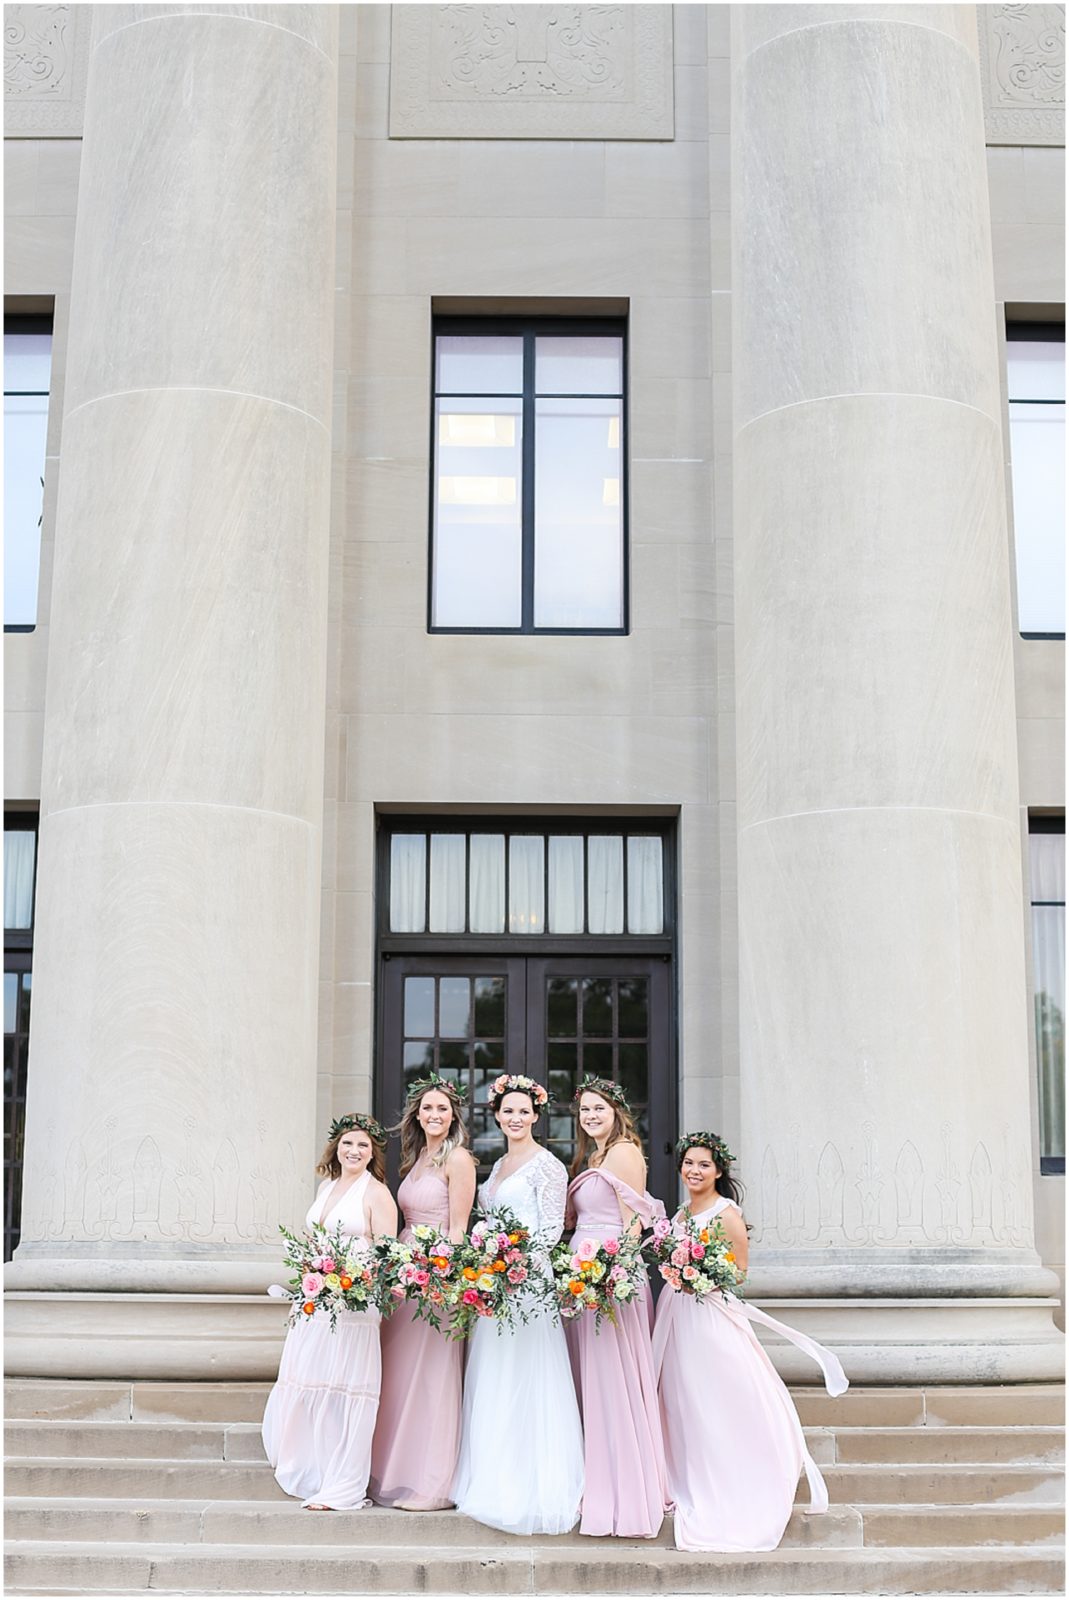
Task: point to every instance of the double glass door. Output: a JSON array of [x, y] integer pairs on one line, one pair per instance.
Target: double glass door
[[554, 1018]]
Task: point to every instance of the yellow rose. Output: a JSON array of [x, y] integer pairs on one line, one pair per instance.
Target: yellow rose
[[334, 1279], [485, 1281]]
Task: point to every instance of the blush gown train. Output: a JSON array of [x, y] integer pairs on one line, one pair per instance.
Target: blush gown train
[[320, 1415], [414, 1453], [625, 1491], [733, 1441]]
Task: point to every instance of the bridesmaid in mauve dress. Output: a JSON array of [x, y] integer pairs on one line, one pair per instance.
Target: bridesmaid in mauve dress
[[625, 1491], [718, 1384], [417, 1438], [320, 1415]]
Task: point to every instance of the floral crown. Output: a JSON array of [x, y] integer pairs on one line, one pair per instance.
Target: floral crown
[[707, 1141], [509, 1081], [358, 1119], [607, 1089], [448, 1086]]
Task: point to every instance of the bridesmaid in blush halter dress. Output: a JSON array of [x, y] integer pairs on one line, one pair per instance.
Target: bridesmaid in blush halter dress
[[320, 1415], [718, 1384], [625, 1491], [414, 1453]]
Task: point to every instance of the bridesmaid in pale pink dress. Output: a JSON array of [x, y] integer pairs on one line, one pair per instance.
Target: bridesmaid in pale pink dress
[[414, 1454], [717, 1383], [320, 1415], [625, 1489]]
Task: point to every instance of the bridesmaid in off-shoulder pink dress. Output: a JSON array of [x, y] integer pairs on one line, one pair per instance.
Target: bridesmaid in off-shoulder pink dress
[[625, 1492], [417, 1436]]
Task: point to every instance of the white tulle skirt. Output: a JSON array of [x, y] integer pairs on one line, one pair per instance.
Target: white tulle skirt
[[520, 1467]]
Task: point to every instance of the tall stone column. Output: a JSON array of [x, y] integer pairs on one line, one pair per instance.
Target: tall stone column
[[886, 1122], [172, 1083]]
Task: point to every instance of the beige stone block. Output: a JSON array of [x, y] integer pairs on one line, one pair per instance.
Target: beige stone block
[[186, 164], [373, 33], [719, 145], [389, 417], [669, 339], [324, 1028], [61, 310], [367, 116], [97, 1402], [388, 500], [21, 162], [228, 588], [402, 178], [374, 677], [1029, 262], [723, 496], [343, 254], [657, 180], [719, 251], [718, 28], [25, 662], [683, 672], [654, 586], [671, 419], [698, 587], [689, 34], [1041, 751], [527, 675], [315, 25], [671, 501], [198, 1402], [57, 177], [1005, 179], [348, 41], [391, 339], [1039, 677], [765, 24], [719, 94], [354, 951], [385, 586], [38, 252], [1044, 186], [787, 188], [530, 178], [542, 256], [891, 586], [692, 101], [356, 848], [720, 312], [379, 255], [23, 738], [352, 1091]]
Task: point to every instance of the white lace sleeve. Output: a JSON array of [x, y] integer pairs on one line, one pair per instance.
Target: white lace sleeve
[[550, 1183]]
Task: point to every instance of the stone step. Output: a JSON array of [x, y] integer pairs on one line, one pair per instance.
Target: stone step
[[972, 1406], [242, 1441], [258, 1522], [222, 1522], [567, 1568], [909, 1483]]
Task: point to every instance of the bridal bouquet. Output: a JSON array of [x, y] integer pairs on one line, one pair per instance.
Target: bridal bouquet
[[693, 1260], [597, 1275], [495, 1262], [423, 1271], [330, 1272]]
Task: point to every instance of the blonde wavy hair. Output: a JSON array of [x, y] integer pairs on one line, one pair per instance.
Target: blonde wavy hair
[[413, 1138]]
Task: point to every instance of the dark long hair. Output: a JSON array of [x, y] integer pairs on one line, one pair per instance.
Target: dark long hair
[[726, 1183]]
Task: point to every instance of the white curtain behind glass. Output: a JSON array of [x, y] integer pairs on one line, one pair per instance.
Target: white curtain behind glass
[[526, 883], [1048, 976], [605, 883], [487, 908], [645, 886], [565, 884], [447, 883], [18, 878], [408, 882], [27, 371]]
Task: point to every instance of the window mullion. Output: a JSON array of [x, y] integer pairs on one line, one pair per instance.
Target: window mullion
[[528, 545]]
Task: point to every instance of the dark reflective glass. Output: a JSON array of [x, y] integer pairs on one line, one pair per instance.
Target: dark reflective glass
[[453, 1061], [597, 1058], [490, 1056], [597, 1007], [642, 1123], [633, 1072], [10, 1062], [562, 1061], [633, 1003], [24, 1014], [454, 1008], [11, 1001], [562, 1129], [490, 1007], [419, 1008], [418, 1060], [561, 1004]]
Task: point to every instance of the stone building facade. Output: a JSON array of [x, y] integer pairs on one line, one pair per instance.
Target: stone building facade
[[723, 783]]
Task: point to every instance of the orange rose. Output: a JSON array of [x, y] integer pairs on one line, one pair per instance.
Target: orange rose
[[441, 1262], [470, 1272], [308, 1307], [704, 1236], [346, 1282], [498, 1266], [514, 1238], [586, 1266], [576, 1286], [730, 1256]]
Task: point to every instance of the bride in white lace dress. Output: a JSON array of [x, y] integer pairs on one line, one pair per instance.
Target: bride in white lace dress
[[521, 1450]]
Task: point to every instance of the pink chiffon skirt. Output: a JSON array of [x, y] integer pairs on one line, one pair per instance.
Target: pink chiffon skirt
[[320, 1415], [414, 1453], [625, 1490]]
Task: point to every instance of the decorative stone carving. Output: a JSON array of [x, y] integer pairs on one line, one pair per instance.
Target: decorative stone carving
[[1022, 55], [531, 72], [46, 57]]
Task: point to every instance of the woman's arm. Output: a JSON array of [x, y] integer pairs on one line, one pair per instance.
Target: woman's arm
[[381, 1212], [731, 1221], [625, 1161], [460, 1176]]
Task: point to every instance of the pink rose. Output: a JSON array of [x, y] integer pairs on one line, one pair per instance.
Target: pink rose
[[697, 1252], [503, 1241], [690, 1273], [470, 1298], [617, 1273], [587, 1249], [311, 1283], [421, 1279], [517, 1274], [680, 1255], [661, 1229], [611, 1247], [328, 1264], [670, 1276]]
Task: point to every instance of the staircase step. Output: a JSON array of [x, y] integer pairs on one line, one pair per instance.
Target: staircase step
[[951, 1444], [588, 1568], [900, 1527]]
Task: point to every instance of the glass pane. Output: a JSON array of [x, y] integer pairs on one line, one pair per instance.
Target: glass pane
[[562, 1064], [11, 1001], [490, 1007], [633, 1072], [479, 364], [633, 1012], [489, 1057], [597, 1007], [578, 514], [408, 883], [24, 1014], [447, 882], [1037, 454], [454, 1008], [1047, 853], [565, 884], [418, 1060], [27, 364], [526, 883], [562, 1020], [597, 1058], [454, 1061], [11, 1046], [645, 885], [605, 883], [486, 908], [593, 364], [18, 877], [1048, 977], [419, 1008], [1035, 369], [477, 515]]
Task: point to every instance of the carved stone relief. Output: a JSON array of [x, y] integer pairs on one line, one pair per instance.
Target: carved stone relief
[[1022, 58], [46, 57], [531, 72]]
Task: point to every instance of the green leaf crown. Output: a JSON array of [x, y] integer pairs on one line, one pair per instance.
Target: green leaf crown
[[607, 1089], [707, 1141], [361, 1120], [448, 1086]]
